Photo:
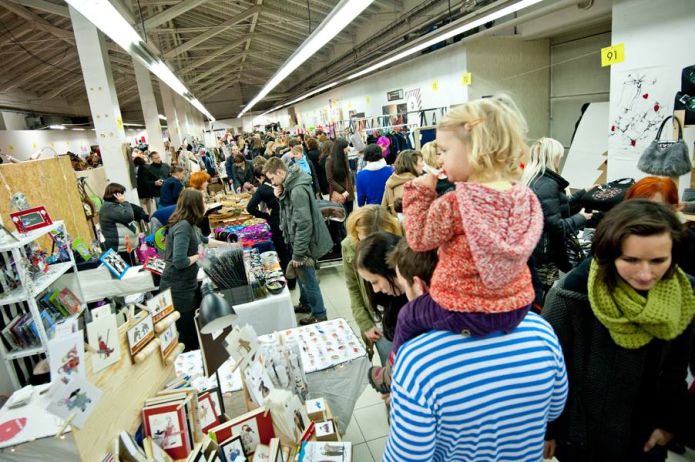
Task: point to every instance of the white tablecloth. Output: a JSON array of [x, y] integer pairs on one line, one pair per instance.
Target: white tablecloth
[[98, 283], [268, 315]]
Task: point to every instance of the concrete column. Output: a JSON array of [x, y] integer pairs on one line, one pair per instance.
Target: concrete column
[[149, 110], [103, 102], [170, 113], [181, 106]]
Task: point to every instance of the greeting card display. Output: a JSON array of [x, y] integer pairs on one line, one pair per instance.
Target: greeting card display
[[154, 452], [232, 450], [189, 365], [140, 333], [168, 427], [254, 428], [314, 451], [289, 415], [76, 399], [160, 306], [258, 382], [326, 344], [208, 413], [242, 344], [168, 340], [102, 334], [262, 453], [114, 263], [66, 357], [154, 265]]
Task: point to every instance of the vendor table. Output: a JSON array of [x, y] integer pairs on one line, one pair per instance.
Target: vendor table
[[267, 315], [98, 283]]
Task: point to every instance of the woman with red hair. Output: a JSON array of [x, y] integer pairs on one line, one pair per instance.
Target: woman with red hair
[[655, 188]]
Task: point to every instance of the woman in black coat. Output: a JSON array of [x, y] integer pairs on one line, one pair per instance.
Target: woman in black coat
[[624, 321], [560, 212]]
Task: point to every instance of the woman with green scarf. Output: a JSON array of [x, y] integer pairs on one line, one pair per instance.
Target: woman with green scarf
[[624, 319]]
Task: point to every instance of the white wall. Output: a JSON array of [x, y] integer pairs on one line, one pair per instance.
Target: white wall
[[658, 38], [21, 144]]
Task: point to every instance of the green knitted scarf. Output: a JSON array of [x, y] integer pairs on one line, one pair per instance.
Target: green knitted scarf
[[634, 320]]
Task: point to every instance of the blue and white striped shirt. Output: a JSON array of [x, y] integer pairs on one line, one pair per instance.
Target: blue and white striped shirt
[[457, 398]]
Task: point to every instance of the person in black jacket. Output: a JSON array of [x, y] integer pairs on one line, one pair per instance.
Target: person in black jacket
[[147, 184], [314, 155], [624, 319], [562, 219], [239, 172], [265, 196]]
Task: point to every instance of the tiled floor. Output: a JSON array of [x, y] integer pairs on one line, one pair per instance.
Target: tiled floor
[[368, 427]]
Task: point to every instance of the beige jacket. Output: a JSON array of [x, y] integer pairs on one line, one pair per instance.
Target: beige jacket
[[394, 189]]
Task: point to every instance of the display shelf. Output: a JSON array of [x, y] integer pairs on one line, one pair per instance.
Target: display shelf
[[39, 284], [24, 352], [28, 238]]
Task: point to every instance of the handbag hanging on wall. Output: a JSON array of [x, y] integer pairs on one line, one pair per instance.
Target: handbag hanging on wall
[[666, 158], [605, 196]]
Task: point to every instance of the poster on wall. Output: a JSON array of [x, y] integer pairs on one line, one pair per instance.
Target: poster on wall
[[645, 100], [413, 100]]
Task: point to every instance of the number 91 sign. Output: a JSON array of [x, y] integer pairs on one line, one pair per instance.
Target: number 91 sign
[[612, 55]]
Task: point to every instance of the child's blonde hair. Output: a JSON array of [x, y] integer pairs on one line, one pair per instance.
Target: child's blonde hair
[[495, 132], [429, 154]]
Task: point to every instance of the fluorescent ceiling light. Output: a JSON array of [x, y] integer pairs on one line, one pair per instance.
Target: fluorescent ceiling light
[[132, 125], [80, 129], [447, 35], [336, 21], [161, 117], [106, 18], [57, 127]]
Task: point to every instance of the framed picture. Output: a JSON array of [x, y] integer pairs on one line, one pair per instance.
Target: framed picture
[[217, 401], [154, 265], [77, 398], [140, 333], [166, 424], [114, 263], [31, 219], [168, 340], [232, 450], [66, 357], [160, 306], [102, 334], [207, 412]]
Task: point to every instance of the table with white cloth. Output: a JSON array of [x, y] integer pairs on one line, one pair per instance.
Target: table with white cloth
[[267, 315], [98, 283]]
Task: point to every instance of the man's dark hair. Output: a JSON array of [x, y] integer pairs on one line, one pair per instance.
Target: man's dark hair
[[372, 153], [411, 263]]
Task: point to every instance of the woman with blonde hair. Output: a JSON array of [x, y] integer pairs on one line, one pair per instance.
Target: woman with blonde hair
[[408, 166], [562, 217], [361, 223]]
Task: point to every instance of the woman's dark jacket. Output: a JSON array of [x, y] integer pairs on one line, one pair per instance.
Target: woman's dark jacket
[[238, 176], [559, 218], [110, 214], [145, 183], [265, 194], [617, 396]]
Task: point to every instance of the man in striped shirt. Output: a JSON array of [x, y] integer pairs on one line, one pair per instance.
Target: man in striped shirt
[[476, 399]]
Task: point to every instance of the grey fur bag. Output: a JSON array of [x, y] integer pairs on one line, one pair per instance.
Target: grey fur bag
[[666, 158]]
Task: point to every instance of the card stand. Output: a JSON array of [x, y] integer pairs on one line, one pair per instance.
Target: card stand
[[151, 347], [174, 353], [162, 325]]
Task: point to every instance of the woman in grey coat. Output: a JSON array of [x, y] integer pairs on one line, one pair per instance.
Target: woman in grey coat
[[116, 210]]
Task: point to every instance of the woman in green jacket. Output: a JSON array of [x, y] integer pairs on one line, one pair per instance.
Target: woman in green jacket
[[361, 223]]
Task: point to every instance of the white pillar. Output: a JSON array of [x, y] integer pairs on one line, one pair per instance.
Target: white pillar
[[103, 102], [170, 113], [181, 113], [149, 110]]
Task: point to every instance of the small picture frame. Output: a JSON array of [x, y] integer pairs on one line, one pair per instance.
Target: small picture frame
[[232, 450], [154, 265], [114, 263], [31, 219], [160, 306], [217, 400], [140, 332], [168, 340]]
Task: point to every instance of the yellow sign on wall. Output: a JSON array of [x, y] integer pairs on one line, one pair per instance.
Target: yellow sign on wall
[[119, 122], [612, 55], [435, 85], [368, 99], [466, 79]]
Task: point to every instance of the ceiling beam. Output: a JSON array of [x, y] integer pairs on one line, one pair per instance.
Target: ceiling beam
[[214, 69], [171, 13], [199, 62], [66, 86], [43, 5], [40, 22], [223, 86], [211, 33], [18, 81]]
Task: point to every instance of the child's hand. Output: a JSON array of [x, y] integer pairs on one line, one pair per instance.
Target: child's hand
[[430, 181]]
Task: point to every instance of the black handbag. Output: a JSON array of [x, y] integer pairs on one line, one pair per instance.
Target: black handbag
[[666, 158], [605, 196]]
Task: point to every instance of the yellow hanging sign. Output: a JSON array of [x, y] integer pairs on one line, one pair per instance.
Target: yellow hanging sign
[[368, 99], [612, 55], [34, 145], [466, 79], [119, 123], [10, 148], [435, 85]]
